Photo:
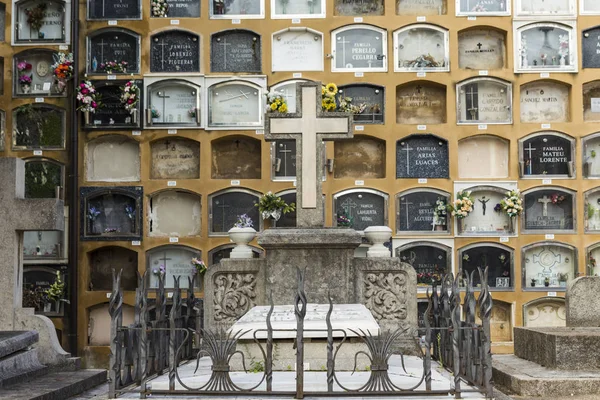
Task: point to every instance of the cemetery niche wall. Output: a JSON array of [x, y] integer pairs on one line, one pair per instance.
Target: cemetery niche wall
[[114, 10], [418, 7], [283, 157], [235, 104], [43, 178], [591, 212], [548, 266], [487, 218], [236, 157], [482, 7], [296, 49], [173, 260], [175, 50], [111, 213], [548, 209], [591, 155], [235, 50], [499, 260], [422, 156], [483, 156], [226, 205], [360, 157], [98, 333], [359, 48], [112, 158], [51, 27], [422, 211], [174, 213], [102, 261], [545, 102], [358, 7], [173, 103], [421, 47], [113, 51], [481, 48], [361, 207], [175, 158], [38, 126], [422, 102], [430, 260], [285, 9], [236, 9], [545, 312], [33, 75], [547, 154], [112, 114], [484, 101], [367, 102]]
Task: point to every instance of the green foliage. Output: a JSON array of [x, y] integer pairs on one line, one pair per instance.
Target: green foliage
[[41, 179], [256, 367], [289, 367], [39, 126], [270, 202], [56, 291]]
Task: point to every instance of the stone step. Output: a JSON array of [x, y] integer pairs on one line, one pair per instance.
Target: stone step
[[20, 366], [13, 341], [55, 386]]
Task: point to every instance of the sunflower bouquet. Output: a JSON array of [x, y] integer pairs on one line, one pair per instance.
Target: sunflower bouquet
[[277, 103], [328, 93]]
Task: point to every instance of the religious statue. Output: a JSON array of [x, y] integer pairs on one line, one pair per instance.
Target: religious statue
[[483, 202]]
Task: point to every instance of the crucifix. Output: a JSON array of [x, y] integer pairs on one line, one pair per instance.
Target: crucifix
[[163, 96], [479, 46], [101, 45], [545, 200], [472, 109], [407, 149], [164, 260], [407, 204], [310, 126], [349, 205], [223, 207], [285, 152], [224, 44], [343, 42], [483, 202], [529, 164], [162, 45]]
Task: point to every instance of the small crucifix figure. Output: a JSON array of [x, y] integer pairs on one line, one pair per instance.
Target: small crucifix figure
[[545, 200], [483, 202]]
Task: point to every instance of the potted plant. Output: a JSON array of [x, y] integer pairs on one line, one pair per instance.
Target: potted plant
[[35, 18], [199, 268], [546, 281], [562, 279], [273, 206], [461, 207], [440, 215], [154, 114], [55, 293], [512, 205], [533, 281], [241, 234]]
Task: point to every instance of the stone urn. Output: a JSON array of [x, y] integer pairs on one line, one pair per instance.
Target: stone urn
[[378, 235], [241, 237]]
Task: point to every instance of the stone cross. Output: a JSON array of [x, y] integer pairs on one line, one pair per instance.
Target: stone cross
[[309, 126], [17, 215], [545, 200]]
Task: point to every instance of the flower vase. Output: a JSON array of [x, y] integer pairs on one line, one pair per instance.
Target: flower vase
[[25, 89], [61, 86], [461, 225], [562, 61], [512, 223], [378, 235], [134, 116], [440, 227], [241, 237], [86, 117], [91, 227], [47, 307]]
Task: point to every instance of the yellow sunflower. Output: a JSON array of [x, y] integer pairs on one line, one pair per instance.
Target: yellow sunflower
[[283, 108], [331, 88], [273, 106]]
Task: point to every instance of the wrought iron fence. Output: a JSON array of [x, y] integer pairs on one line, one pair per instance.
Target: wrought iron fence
[[159, 341]]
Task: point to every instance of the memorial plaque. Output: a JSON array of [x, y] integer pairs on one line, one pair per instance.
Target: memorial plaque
[[43, 244], [416, 212], [422, 156], [543, 262], [545, 46], [481, 49], [358, 7], [174, 103], [235, 104], [484, 100], [545, 7], [112, 113], [590, 7], [37, 126], [360, 48], [287, 90], [175, 260], [420, 7], [116, 215], [483, 7], [489, 153], [549, 210], [175, 158], [53, 25], [544, 102], [367, 101], [42, 178], [421, 103], [175, 51], [175, 213], [115, 45], [105, 259], [112, 158], [284, 162], [300, 9], [38, 277], [236, 8], [545, 312], [297, 50], [236, 157], [547, 154], [486, 219], [590, 48], [235, 51], [498, 260], [363, 208], [40, 73], [591, 101], [421, 48], [288, 220], [226, 207], [361, 157], [430, 263], [183, 8], [114, 9], [224, 251]]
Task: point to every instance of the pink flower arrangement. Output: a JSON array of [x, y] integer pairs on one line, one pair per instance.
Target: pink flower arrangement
[[23, 66], [113, 67], [130, 96], [87, 97], [25, 80]]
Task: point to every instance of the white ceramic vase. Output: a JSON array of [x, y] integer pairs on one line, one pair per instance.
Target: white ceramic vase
[[378, 235], [241, 237]]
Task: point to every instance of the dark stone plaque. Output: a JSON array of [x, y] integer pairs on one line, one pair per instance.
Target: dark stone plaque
[[430, 262], [370, 99], [363, 208], [114, 45], [285, 158], [175, 51], [359, 48], [549, 210], [104, 260], [39, 126], [36, 277], [546, 155], [590, 48], [416, 211], [422, 156], [288, 220], [42, 178], [114, 9], [235, 51], [183, 8], [498, 259], [226, 207], [112, 114]]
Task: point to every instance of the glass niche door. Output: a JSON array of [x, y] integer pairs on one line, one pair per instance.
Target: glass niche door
[[173, 103]]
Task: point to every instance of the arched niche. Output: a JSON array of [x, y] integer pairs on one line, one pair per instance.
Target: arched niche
[[99, 323], [173, 103], [421, 47], [175, 50], [365, 101], [501, 322], [38, 126], [43, 245], [481, 48], [422, 102], [591, 101], [236, 9], [358, 8], [410, 7], [548, 209], [547, 154], [363, 207], [104, 260], [54, 27], [297, 49], [545, 102], [287, 220], [592, 257], [112, 158], [422, 211], [483, 101], [111, 213], [283, 160], [545, 47], [361, 157], [226, 205], [483, 156], [430, 260], [548, 266], [175, 158], [541, 8], [236, 157], [42, 178], [224, 108], [174, 213], [483, 8], [545, 312], [236, 50], [220, 252], [36, 280], [116, 45], [487, 217], [422, 156], [112, 114], [372, 42], [591, 212], [498, 258], [175, 261], [287, 90], [37, 65]]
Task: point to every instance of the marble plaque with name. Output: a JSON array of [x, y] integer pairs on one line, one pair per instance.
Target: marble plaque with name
[[363, 208], [35, 277], [545, 7], [183, 8], [52, 23], [430, 262], [416, 211], [358, 7], [484, 101], [483, 6], [549, 210], [497, 259], [297, 50], [481, 49], [112, 113], [420, 7], [422, 156], [421, 48], [235, 51], [546, 155], [175, 51], [114, 9], [370, 100], [226, 207], [175, 158], [113, 45], [549, 261], [236, 8], [544, 102], [590, 48], [174, 103], [359, 48], [176, 261], [421, 103]]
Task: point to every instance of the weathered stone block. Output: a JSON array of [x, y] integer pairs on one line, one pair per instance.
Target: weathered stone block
[[583, 303]]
